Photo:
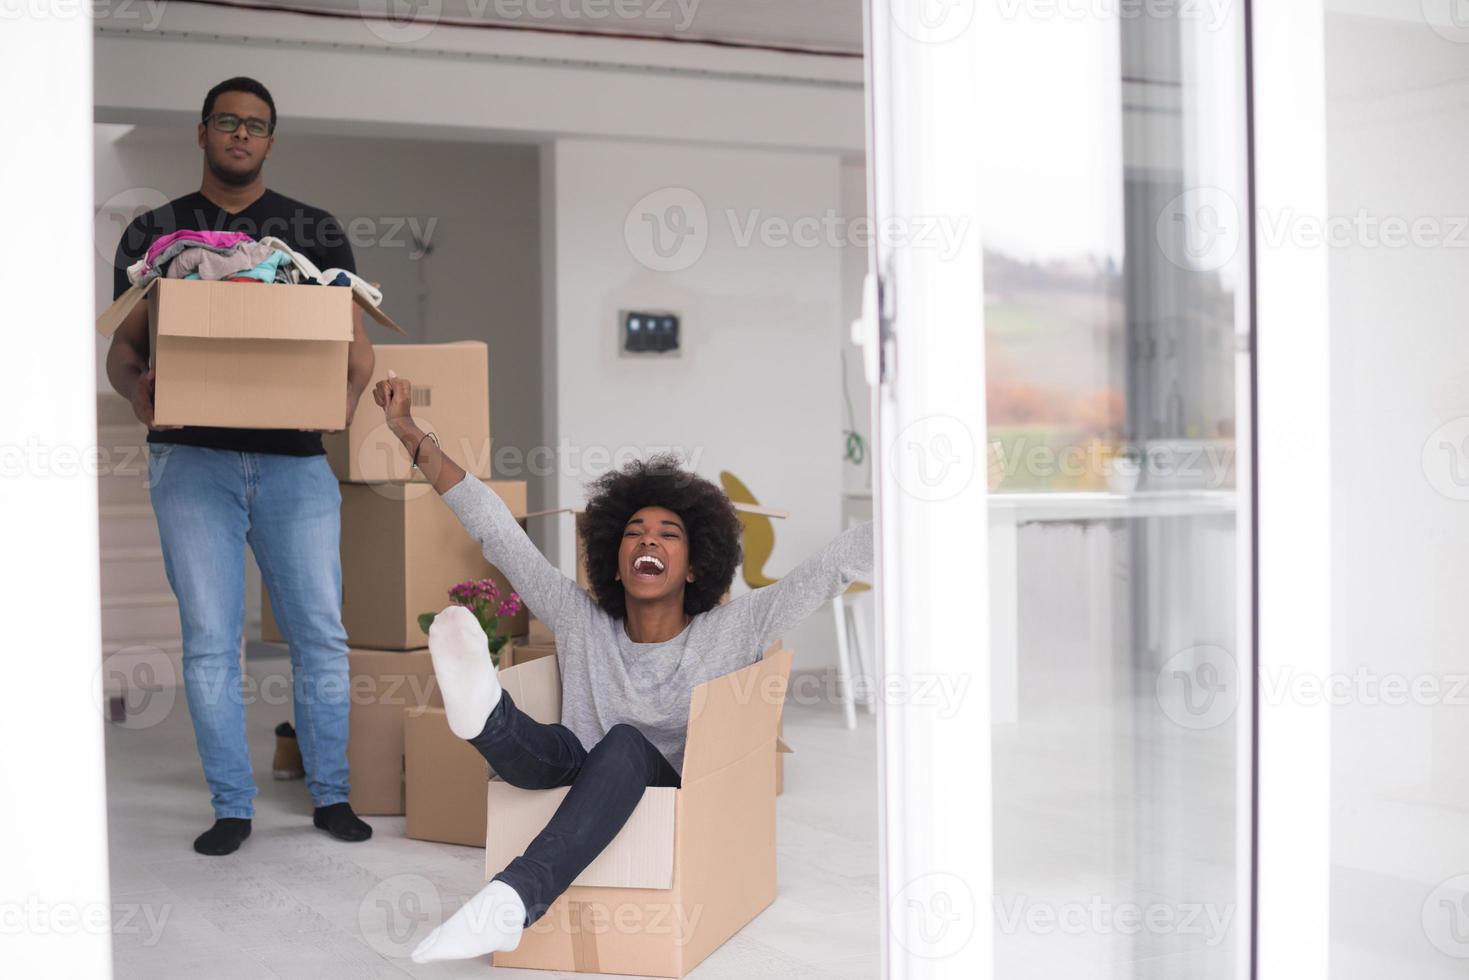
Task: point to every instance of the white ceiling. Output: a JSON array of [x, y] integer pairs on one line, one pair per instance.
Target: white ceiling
[[829, 25]]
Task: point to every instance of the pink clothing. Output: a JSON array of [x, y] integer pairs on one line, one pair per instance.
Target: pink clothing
[[212, 239]]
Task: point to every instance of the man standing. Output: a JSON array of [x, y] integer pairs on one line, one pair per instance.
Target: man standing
[[215, 490]]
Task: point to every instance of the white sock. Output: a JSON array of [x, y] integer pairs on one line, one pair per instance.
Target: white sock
[[466, 675], [489, 922]]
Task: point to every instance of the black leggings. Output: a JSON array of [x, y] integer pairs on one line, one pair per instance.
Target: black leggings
[[606, 785]]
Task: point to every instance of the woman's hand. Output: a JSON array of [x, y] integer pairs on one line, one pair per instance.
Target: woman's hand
[[395, 397]]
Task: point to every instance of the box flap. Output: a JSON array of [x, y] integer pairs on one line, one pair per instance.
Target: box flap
[[536, 688], [376, 313], [256, 311], [781, 746], [112, 317], [640, 856], [734, 715]]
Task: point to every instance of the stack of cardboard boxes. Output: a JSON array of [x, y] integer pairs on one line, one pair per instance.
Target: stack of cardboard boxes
[[402, 550]]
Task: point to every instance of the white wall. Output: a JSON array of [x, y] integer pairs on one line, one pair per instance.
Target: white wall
[[854, 269], [1399, 94], [479, 201], [55, 912], [757, 388]]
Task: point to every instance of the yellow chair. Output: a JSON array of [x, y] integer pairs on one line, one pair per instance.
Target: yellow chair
[[758, 541], [758, 538]]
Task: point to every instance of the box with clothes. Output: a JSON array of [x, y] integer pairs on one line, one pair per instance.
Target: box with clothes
[[692, 865], [234, 339]]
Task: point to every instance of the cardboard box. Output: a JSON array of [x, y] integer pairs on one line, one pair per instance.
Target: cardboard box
[[446, 778], [524, 653], [666, 892], [245, 355], [383, 684], [402, 550], [781, 751], [450, 399], [539, 633]]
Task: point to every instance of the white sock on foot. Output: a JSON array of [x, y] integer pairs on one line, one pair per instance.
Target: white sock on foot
[[466, 675], [491, 921]]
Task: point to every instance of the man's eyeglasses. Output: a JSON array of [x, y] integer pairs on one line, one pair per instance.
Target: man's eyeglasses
[[228, 122]]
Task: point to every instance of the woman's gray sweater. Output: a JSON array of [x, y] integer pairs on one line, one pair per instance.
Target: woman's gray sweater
[[606, 678]]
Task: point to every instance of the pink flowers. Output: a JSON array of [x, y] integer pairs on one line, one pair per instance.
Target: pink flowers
[[465, 593], [481, 595], [482, 598]]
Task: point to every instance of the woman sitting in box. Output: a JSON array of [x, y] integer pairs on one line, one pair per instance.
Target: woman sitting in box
[[662, 546]]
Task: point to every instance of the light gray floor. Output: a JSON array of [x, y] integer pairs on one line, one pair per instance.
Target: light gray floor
[[293, 903]]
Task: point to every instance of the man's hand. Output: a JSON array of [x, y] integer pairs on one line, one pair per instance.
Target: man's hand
[[142, 398], [395, 397], [351, 407], [142, 401]]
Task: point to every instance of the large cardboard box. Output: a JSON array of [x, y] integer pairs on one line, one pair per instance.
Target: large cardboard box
[[245, 355], [383, 683], [446, 777], [402, 550], [691, 867], [450, 398]]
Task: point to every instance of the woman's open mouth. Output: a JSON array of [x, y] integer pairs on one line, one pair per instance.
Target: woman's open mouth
[[647, 567]]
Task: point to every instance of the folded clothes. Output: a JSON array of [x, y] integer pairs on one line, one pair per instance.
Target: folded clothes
[[266, 271], [141, 272], [203, 263], [309, 272]]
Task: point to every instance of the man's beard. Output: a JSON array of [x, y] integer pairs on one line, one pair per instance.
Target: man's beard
[[231, 177]]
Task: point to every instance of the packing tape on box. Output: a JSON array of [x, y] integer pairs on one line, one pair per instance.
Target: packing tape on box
[[584, 937]]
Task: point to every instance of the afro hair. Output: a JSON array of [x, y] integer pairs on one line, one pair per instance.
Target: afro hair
[[713, 527]]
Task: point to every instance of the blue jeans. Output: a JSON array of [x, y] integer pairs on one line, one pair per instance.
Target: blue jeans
[[210, 503], [606, 785]]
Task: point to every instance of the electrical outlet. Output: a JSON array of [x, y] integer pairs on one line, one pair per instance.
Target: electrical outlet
[[644, 332]]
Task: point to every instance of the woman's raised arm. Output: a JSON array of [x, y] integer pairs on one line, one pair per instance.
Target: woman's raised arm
[[484, 515]]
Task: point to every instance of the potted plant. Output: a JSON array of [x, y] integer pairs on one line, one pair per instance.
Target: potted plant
[[482, 597]]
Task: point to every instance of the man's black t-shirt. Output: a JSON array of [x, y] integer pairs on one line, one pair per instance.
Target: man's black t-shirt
[[311, 231]]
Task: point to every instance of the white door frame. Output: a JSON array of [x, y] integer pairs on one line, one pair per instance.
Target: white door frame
[[55, 912], [925, 347], [1292, 619]]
